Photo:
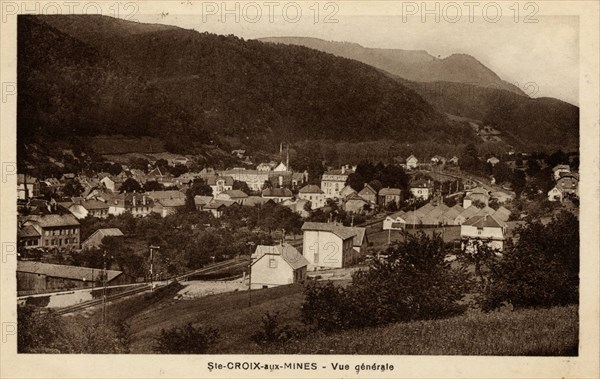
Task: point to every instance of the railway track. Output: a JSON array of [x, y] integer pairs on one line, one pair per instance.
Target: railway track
[[205, 270]]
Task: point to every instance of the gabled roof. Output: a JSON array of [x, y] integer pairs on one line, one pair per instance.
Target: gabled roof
[[479, 191], [212, 180], [235, 194], [107, 232], [256, 200], [561, 167], [92, 204], [276, 192], [341, 231], [170, 194], [65, 271], [390, 192], [367, 189], [395, 215], [359, 238], [27, 231], [311, 188], [355, 197], [486, 210], [426, 208], [202, 200], [53, 220], [502, 214], [484, 221], [216, 204], [469, 212], [411, 157], [172, 203], [289, 254]]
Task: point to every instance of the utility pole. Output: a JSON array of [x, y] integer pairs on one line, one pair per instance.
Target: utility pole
[[104, 288], [250, 244], [152, 248]]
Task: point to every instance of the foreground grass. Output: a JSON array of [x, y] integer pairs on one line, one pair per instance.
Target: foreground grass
[[532, 332]]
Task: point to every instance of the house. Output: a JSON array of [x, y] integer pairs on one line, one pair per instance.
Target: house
[[201, 201], [389, 195], [217, 207], [277, 265], [369, 194], [187, 178], [220, 184], [477, 194], [314, 194], [165, 195], [356, 204], [559, 169], [28, 237], [453, 160], [281, 167], [277, 194], [136, 204], [395, 221], [56, 230], [421, 189], [412, 162], [438, 159], [265, 167], [502, 214], [360, 241], [483, 229], [449, 217], [166, 207], [333, 181], [413, 218], [236, 196], [328, 245], [299, 178], [27, 187], [253, 201], [466, 214], [255, 179], [38, 277], [501, 197], [347, 191], [67, 176], [568, 183], [493, 161], [179, 160], [108, 183], [434, 216], [555, 194], [297, 206], [84, 208], [239, 153], [95, 240]]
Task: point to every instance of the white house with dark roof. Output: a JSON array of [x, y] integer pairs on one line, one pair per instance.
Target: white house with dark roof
[[482, 229], [560, 169], [277, 265], [328, 245], [388, 195], [314, 194], [394, 221], [220, 184], [56, 230], [333, 181], [412, 162]]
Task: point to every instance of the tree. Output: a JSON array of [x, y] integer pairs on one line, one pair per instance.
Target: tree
[[177, 170], [242, 186], [198, 188], [356, 181], [153, 185], [114, 168], [73, 188], [130, 185], [414, 282], [540, 269], [185, 340], [502, 173], [519, 181], [139, 164]]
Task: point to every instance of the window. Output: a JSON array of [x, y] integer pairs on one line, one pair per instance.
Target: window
[[46, 242], [272, 262]]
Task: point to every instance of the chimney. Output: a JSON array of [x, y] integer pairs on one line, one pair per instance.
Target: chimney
[[287, 158], [144, 200]]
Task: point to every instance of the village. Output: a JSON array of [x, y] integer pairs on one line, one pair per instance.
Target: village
[[315, 225]]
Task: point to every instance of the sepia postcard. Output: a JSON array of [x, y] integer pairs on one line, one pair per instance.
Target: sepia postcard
[[300, 189]]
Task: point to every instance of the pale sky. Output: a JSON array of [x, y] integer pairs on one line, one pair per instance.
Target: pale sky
[[542, 57]]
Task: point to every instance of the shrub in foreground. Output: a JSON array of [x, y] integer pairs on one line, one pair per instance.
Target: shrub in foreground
[[185, 340]]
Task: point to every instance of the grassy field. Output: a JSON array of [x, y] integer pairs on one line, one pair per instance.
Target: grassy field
[[538, 332], [532, 332]]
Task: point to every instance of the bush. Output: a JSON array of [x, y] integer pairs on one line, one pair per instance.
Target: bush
[[541, 269], [186, 340], [412, 283], [274, 332]]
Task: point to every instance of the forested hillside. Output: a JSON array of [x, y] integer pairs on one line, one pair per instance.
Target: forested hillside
[[90, 75]]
